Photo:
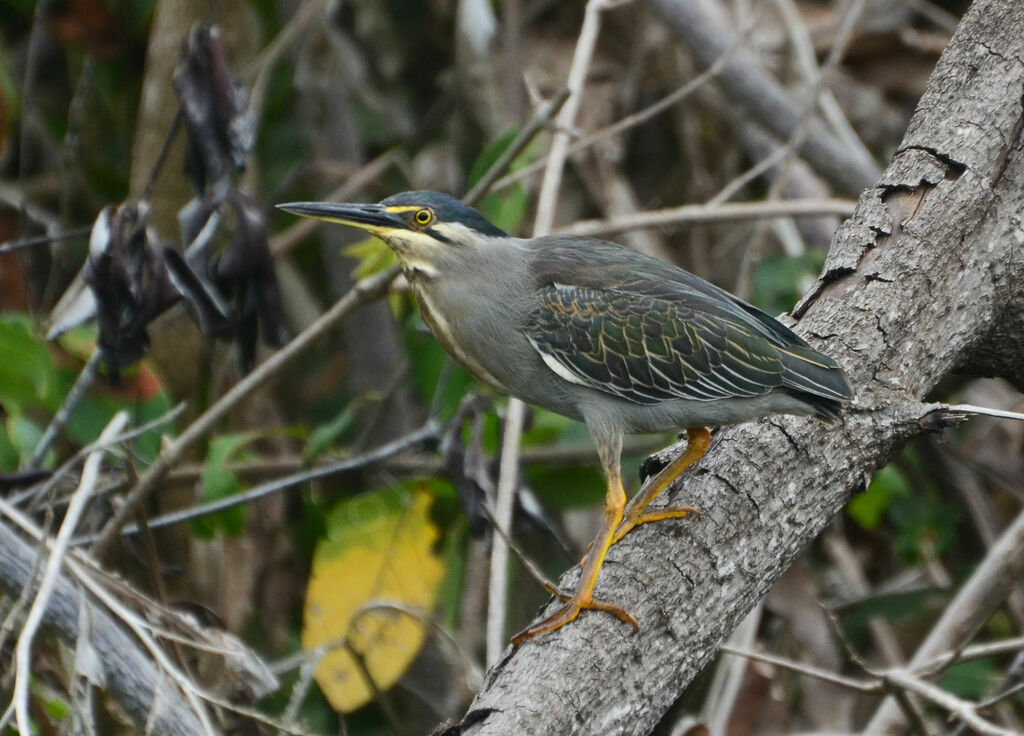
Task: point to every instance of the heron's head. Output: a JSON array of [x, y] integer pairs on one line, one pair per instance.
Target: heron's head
[[428, 230]]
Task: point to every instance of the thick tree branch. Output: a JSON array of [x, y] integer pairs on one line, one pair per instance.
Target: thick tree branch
[[918, 283]]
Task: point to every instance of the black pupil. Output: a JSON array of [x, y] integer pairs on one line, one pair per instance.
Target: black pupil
[[423, 216]]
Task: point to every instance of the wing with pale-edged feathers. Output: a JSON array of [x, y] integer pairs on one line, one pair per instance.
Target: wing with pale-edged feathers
[[648, 332]]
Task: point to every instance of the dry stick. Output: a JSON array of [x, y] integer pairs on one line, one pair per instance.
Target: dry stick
[[411, 462], [81, 568], [983, 592], [642, 116], [130, 676], [27, 94], [288, 238], [41, 490], [963, 710], [548, 199], [842, 40], [900, 678], [13, 195], [428, 431], [508, 479], [259, 71], [725, 212], [497, 593], [78, 391], [803, 51], [761, 97], [975, 651], [363, 292], [13, 245], [802, 122], [845, 561], [23, 650], [730, 675], [540, 119]]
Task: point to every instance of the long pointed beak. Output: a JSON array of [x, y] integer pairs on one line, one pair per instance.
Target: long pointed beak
[[372, 218]]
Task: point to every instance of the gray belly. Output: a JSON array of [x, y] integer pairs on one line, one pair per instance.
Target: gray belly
[[678, 414]]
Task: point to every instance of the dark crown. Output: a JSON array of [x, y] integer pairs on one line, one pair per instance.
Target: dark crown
[[447, 209]]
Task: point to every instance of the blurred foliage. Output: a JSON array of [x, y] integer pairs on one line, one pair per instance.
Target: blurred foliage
[[35, 376]]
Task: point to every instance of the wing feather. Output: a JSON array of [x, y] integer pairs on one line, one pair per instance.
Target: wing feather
[[647, 349]]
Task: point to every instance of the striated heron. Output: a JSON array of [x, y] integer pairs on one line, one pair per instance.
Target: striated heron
[[590, 329]]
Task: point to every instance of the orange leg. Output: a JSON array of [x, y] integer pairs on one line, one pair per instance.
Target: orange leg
[[618, 521], [636, 512], [615, 502]]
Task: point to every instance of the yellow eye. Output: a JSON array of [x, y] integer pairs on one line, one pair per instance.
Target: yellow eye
[[423, 217]]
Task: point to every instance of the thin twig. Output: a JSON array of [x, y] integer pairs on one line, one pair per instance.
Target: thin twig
[[12, 245], [975, 651], [724, 212], [813, 101], [820, 673], [23, 650], [86, 378], [161, 157], [425, 433], [508, 480], [987, 587], [43, 489], [540, 118], [963, 710], [642, 116], [363, 292], [972, 409], [529, 565], [548, 198], [35, 47], [898, 677]]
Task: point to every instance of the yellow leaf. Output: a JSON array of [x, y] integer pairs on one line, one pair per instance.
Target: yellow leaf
[[371, 576]]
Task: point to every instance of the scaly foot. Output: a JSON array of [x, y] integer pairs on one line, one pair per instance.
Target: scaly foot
[[569, 612], [631, 521]]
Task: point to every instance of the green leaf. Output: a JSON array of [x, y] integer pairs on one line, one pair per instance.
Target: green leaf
[[505, 209], [147, 446], [490, 155], [972, 679], [868, 508], [28, 376], [778, 281], [57, 709], [427, 362], [24, 435], [373, 255], [218, 482], [328, 433], [547, 427], [8, 453]]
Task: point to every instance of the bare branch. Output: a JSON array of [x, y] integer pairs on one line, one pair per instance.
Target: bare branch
[[365, 291], [724, 212]]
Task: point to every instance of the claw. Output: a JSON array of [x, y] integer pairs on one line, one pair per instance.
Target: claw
[[568, 613]]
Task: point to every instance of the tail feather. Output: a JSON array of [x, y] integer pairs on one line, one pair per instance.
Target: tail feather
[[815, 379]]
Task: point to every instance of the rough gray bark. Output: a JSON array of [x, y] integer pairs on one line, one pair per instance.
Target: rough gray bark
[[127, 674], [926, 278]]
